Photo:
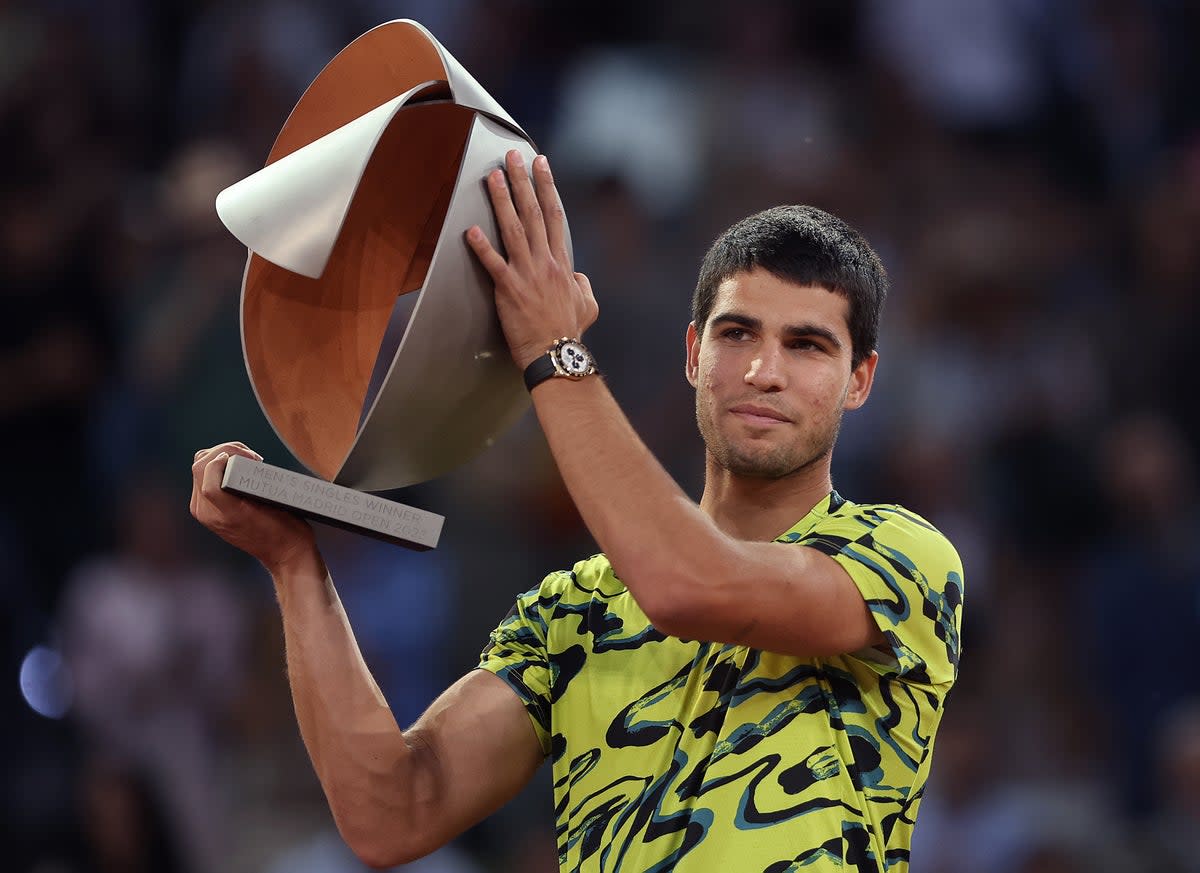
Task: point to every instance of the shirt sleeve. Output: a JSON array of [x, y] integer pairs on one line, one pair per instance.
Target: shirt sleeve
[[516, 652], [911, 578]]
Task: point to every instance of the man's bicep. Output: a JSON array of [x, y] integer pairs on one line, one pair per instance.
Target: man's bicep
[[780, 598], [911, 578], [808, 605], [481, 747], [847, 604], [838, 591]]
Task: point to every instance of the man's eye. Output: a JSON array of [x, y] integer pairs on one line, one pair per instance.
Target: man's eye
[[734, 333]]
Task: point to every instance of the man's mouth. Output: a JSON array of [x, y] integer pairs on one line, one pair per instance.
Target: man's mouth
[[755, 413]]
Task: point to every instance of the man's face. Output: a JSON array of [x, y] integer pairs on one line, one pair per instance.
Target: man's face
[[772, 373]]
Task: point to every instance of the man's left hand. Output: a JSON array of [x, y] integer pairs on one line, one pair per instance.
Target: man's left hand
[[539, 298]]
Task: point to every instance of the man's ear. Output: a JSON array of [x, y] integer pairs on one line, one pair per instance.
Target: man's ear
[[861, 381], [692, 369]]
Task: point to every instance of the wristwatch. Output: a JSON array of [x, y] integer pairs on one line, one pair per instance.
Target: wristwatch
[[568, 357]]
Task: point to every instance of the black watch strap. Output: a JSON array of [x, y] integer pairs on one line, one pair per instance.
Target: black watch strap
[[539, 371]]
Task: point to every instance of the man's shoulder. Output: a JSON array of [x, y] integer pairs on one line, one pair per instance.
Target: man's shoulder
[[841, 523], [871, 515]]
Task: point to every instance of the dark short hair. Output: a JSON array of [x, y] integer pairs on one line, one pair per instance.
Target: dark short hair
[[805, 245]]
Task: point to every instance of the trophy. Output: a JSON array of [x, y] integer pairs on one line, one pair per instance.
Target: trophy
[[368, 327]]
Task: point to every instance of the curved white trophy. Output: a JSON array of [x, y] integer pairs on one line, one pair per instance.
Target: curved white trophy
[[368, 327]]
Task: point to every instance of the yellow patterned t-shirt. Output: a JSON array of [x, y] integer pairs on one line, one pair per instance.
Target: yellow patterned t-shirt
[[696, 757]]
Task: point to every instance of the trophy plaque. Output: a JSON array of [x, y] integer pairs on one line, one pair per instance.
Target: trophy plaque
[[368, 327], [333, 504]]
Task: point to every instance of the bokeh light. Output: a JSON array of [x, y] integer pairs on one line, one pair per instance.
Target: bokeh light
[[46, 682]]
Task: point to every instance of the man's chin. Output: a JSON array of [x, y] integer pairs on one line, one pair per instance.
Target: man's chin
[[766, 464], [760, 467]]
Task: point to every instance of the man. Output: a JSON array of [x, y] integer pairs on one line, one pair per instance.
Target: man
[[750, 684]]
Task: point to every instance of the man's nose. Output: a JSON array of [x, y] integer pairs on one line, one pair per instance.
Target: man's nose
[[766, 371]]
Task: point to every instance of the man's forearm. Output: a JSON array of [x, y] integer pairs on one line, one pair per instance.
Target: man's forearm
[[638, 514], [369, 771]]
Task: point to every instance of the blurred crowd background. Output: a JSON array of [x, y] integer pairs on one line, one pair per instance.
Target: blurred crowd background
[[1029, 171]]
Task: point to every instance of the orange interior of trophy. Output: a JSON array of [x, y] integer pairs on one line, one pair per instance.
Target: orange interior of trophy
[[381, 64], [311, 344]]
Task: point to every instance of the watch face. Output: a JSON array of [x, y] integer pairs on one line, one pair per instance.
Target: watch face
[[575, 359]]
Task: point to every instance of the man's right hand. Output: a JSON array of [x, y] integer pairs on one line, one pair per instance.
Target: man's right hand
[[273, 536]]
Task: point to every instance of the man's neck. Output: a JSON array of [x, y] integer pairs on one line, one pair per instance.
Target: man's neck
[[761, 509]]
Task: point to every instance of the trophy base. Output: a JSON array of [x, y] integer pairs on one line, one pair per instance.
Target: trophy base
[[335, 505]]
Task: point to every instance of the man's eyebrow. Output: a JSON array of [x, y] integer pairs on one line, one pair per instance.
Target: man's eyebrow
[[736, 318], [811, 330], [793, 331]]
